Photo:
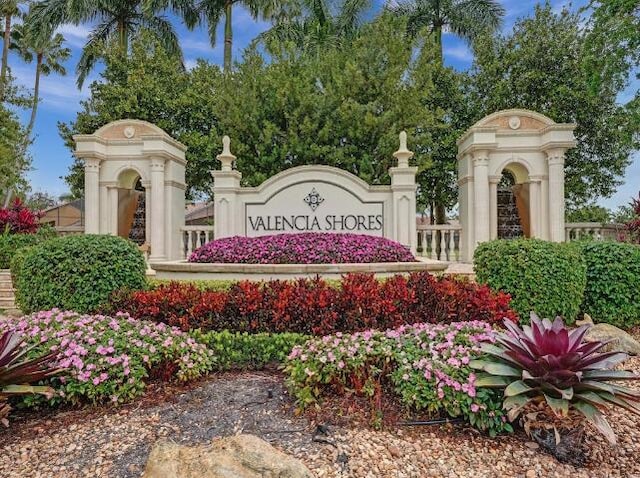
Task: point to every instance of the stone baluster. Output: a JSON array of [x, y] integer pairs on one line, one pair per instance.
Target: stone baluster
[[434, 253]]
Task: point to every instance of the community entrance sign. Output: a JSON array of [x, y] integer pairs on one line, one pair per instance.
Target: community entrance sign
[[317, 199]]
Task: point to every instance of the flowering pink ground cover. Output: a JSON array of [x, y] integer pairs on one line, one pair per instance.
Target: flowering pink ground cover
[[303, 248], [425, 365], [107, 358]]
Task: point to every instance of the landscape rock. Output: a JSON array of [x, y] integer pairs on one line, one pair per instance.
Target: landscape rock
[[621, 341], [239, 456]]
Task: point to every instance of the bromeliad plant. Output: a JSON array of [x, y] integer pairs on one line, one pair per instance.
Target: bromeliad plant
[[554, 380], [17, 372]]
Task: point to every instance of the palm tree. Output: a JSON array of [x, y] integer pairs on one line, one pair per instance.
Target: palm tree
[[315, 26], [8, 10], [465, 18], [211, 12], [48, 51], [117, 22]]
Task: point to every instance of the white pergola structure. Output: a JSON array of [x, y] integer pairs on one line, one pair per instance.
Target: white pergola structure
[[532, 148], [119, 154]]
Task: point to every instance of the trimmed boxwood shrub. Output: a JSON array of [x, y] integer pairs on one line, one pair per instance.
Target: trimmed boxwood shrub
[[77, 272], [11, 243], [613, 283], [545, 277]]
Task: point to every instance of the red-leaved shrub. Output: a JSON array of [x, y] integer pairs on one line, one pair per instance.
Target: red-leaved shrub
[[312, 306], [18, 219]]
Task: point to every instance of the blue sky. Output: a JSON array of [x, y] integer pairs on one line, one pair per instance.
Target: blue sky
[[61, 98]]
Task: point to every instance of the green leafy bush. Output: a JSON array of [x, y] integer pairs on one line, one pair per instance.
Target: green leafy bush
[[612, 294], [237, 350], [77, 272], [11, 243], [544, 277]]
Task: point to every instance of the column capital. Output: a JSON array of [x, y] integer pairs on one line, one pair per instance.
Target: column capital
[[92, 165], [481, 157], [157, 164], [495, 179], [556, 156]]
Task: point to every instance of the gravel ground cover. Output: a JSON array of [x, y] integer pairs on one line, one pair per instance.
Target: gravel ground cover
[[106, 442]]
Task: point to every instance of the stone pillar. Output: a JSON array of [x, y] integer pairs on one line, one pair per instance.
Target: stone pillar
[[556, 195], [493, 206], [403, 187], [481, 196], [147, 212], [113, 208], [92, 196], [534, 207], [157, 209], [226, 185], [544, 209], [104, 209]]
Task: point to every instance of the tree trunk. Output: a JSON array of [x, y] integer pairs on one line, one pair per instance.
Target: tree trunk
[[123, 40], [441, 210], [5, 55], [228, 36], [36, 94]]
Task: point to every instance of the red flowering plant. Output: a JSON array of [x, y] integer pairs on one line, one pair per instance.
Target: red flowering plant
[[18, 219]]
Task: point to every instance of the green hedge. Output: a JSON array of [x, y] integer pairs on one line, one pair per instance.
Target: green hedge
[[77, 272], [11, 243], [545, 277], [236, 350], [613, 283]]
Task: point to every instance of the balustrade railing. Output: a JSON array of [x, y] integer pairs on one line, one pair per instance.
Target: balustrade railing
[[595, 230], [194, 237], [439, 241]]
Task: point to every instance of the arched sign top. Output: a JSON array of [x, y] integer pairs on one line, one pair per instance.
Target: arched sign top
[[314, 173]]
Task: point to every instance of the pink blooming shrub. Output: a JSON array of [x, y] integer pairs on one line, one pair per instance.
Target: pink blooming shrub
[[107, 358], [304, 248], [426, 366]]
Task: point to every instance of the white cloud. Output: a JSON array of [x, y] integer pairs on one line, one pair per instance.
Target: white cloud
[[56, 92], [459, 52], [75, 35]]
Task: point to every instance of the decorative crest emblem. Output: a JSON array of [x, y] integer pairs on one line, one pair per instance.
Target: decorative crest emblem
[[313, 199]]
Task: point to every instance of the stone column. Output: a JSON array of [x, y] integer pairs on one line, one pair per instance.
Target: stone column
[[481, 196], [493, 206], [226, 184], [556, 195], [91, 196], [112, 221], [544, 209], [104, 209], [157, 209], [147, 211], [403, 187], [534, 207]]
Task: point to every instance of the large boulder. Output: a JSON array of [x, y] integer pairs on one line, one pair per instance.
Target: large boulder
[[621, 341], [239, 456]]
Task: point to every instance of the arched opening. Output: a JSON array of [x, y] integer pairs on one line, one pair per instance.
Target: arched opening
[[132, 218], [513, 217]]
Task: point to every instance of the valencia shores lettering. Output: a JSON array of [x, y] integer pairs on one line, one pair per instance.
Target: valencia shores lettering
[[330, 222]]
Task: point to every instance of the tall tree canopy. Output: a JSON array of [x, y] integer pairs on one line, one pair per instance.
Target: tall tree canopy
[[336, 109], [546, 65]]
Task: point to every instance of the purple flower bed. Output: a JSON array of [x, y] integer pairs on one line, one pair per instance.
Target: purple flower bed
[[304, 248]]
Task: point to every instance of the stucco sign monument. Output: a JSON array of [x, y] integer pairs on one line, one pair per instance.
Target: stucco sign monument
[[316, 199]]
